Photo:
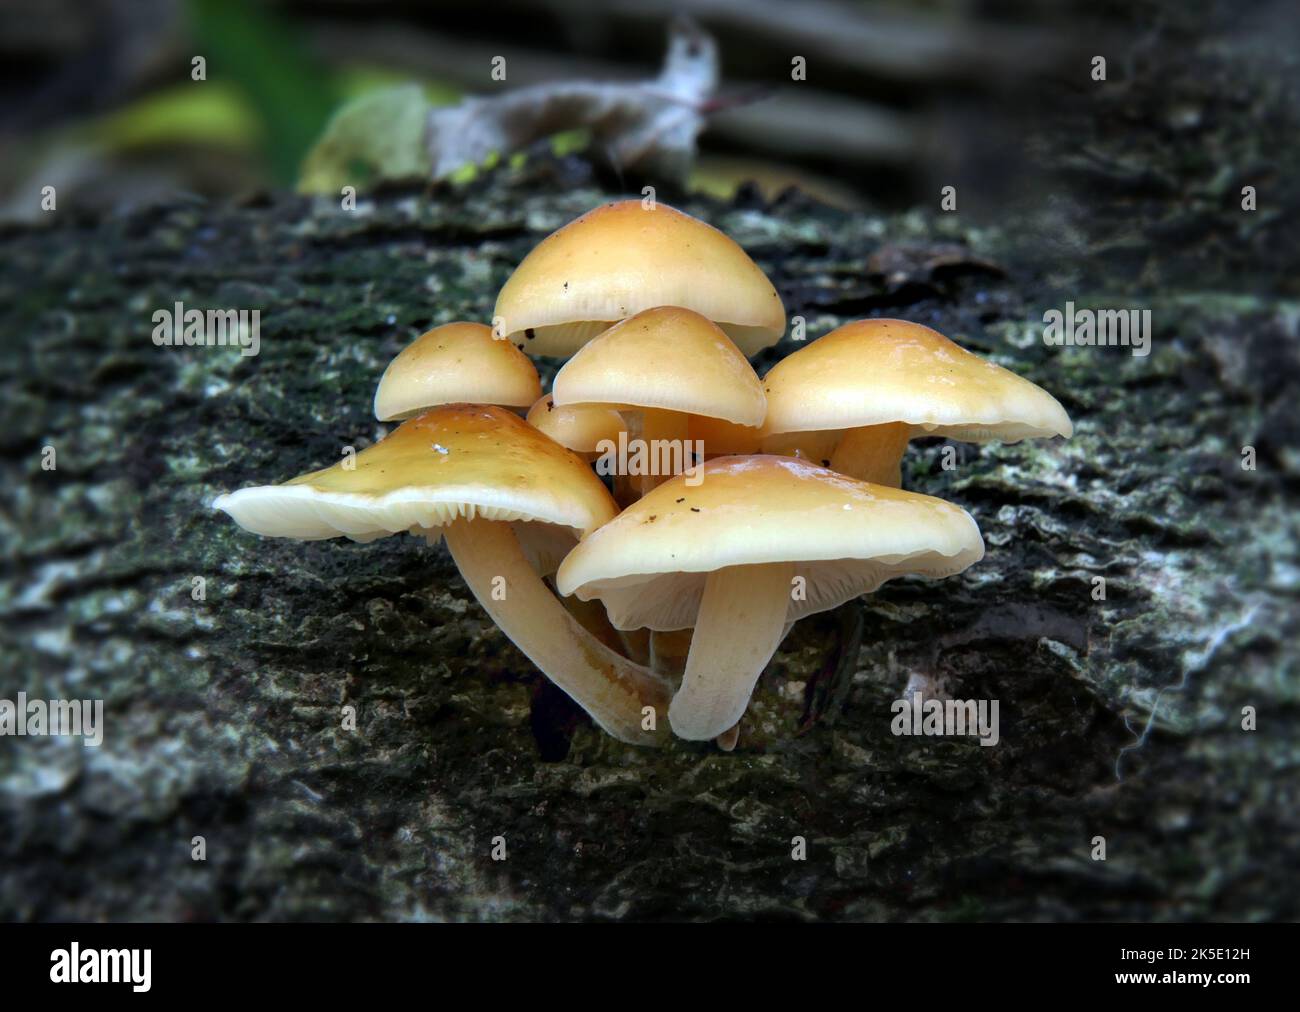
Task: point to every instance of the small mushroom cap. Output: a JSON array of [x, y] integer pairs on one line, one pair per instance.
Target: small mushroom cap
[[576, 427], [845, 538], [622, 258], [668, 358], [876, 371], [454, 363], [461, 460]]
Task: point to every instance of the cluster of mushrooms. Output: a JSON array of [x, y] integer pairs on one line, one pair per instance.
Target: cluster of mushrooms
[[791, 507]]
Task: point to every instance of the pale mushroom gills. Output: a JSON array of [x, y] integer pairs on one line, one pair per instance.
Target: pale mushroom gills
[[760, 542], [478, 475]]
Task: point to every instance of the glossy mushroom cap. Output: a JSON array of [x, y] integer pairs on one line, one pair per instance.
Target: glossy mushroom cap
[[622, 258], [456, 461], [667, 358], [577, 428], [875, 372], [845, 537], [455, 363], [509, 501]]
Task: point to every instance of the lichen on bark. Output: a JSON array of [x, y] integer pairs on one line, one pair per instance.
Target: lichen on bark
[[1120, 718]]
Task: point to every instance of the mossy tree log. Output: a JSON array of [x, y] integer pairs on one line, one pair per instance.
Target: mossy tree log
[[1120, 718]]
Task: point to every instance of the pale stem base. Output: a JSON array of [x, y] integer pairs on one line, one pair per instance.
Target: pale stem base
[[608, 686], [741, 622]]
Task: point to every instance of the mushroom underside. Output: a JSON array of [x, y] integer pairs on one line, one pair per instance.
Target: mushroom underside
[[671, 601], [740, 614], [874, 453]]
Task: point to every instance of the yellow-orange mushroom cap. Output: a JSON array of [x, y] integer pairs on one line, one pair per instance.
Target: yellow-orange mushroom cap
[[759, 542], [667, 363], [485, 479], [872, 374], [667, 358], [577, 427], [624, 257], [457, 461], [454, 363]]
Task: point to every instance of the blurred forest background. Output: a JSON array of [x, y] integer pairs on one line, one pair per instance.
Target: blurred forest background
[[897, 96], [900, 96], [899, 99]]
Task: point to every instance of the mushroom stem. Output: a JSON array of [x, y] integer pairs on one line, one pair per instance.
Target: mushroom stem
[[592, 617], [740, 624], [636, 645], [873, 453], [668, 651], [667, 439], [627, 488], [816, 445], [609, 687]]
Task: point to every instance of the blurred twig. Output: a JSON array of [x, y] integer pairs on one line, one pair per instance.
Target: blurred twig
[[799, 119]]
